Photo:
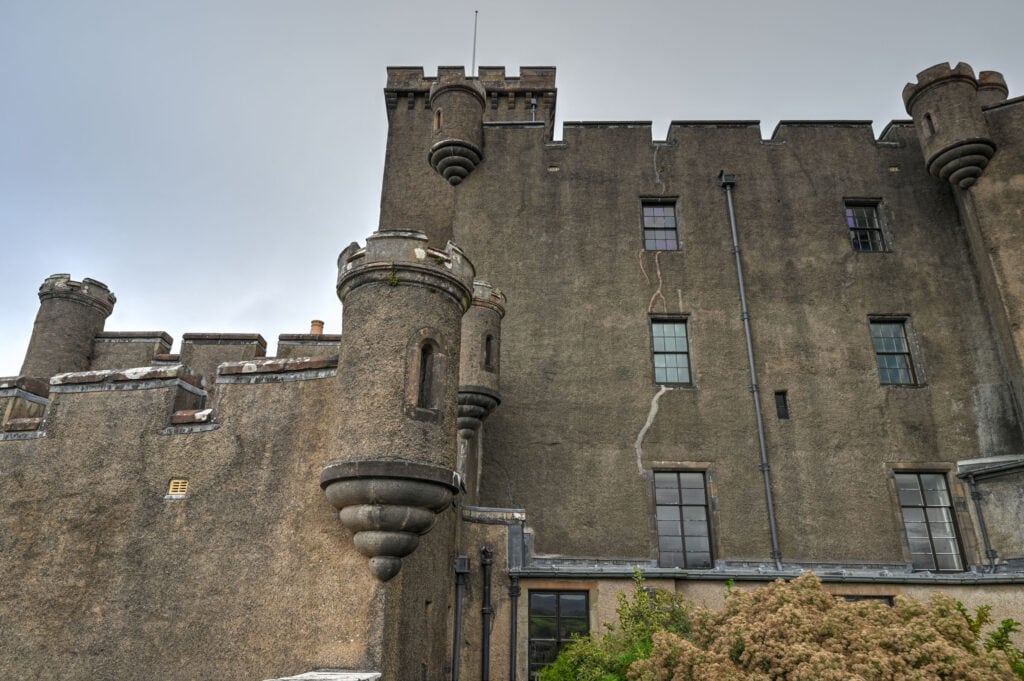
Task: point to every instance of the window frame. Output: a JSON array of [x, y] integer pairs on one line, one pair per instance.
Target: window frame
[[655, 352], [957, 538], [680, 505], [913, 367], [532, 665], [877, 236], [659, 202]]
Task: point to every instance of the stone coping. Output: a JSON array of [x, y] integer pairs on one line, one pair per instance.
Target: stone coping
[[161, 337], [224, 339], [309, 338], [276, 365], [151, 373], [28, 384]]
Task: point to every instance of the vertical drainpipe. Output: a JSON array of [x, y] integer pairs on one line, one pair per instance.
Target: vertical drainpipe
[[486, 560], [513, 596], [461, 570], [728, 182], [990, 552]]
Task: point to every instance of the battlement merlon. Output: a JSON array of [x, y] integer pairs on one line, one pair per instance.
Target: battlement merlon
[[85, 292], [992, 88]]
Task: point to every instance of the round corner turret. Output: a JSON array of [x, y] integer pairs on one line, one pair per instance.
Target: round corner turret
[[393, 467], [945, 104], [481, 339], [457, 103], [71, 315]]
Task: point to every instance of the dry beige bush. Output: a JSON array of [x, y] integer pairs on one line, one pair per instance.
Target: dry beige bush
[[797, 631]]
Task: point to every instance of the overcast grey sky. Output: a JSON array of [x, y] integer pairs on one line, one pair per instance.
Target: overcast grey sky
[[208, 159]]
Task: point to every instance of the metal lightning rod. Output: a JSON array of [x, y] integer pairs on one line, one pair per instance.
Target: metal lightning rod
[[472, 69]]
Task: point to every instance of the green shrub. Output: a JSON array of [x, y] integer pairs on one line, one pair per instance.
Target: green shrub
[[607, 656]]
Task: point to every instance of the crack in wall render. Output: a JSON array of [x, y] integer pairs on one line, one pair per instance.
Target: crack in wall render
[[639, 444]]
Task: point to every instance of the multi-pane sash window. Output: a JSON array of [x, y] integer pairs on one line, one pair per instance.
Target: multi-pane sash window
[[660, 227], [671, 351], [865, 227], [892, 353], [555, 618], [684, 535], [928, 519]]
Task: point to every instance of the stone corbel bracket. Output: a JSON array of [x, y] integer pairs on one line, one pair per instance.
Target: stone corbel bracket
[[388, 505]]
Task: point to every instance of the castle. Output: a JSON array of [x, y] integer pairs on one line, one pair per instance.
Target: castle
[[711, 357]]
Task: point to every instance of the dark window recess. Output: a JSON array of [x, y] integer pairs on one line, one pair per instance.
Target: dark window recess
[[892, 353], [425, 396], [490, 350], [865, 227], [684, 534], [556, 617], [671, 351], [854, 598], [781, 404], [660, 231], [929, 522]]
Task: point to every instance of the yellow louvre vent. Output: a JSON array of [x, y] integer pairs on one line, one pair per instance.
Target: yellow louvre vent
[[178, 487]]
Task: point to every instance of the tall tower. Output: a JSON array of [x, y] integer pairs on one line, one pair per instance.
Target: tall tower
[[393, 468], [946, 108], [71, 314]]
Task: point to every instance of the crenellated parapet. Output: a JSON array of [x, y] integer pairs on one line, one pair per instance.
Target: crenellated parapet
[[408, 86], [402, 257], [946, 105], [86, 292]]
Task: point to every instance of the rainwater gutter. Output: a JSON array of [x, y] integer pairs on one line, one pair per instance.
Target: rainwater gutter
[[907, 578], [728, 182]]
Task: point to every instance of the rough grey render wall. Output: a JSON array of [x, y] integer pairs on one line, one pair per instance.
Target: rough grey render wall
[[577, 379], [249, 577]]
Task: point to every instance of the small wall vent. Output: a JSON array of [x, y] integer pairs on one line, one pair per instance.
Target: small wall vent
[[177, 488]]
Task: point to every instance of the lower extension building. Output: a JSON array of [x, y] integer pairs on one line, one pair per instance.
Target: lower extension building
[[721, 358]]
